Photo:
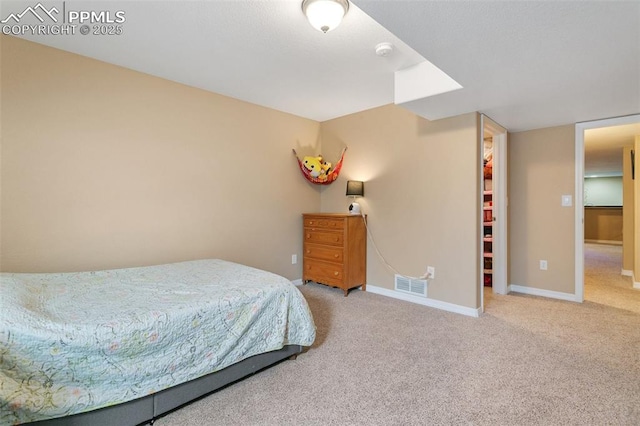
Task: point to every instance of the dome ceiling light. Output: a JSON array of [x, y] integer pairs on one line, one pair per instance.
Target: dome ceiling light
[[325, 15]]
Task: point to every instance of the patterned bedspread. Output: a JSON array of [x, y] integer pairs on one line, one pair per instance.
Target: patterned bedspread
[[75, 342]]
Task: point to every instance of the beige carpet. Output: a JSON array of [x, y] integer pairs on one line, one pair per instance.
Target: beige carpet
[[380, 361], [603, 282]]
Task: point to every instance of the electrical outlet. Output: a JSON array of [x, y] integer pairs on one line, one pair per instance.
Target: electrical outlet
[[543, 265], [294, 259], [431, 272]]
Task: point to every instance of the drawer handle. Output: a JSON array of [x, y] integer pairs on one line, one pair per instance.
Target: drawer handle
[[308, 251], [336, 239], [308, 236], [310, 222], [336, 273], [336, 256]]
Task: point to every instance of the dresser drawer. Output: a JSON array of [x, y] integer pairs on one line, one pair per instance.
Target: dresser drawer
[[323, 237], [324, 223], [332, 254], [325, 273]]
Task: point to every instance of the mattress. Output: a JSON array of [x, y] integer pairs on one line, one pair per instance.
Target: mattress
[[74, 342]]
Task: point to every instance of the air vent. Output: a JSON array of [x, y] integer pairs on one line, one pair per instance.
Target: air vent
[[411, 285]]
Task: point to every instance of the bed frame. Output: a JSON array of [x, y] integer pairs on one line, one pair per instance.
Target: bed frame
[[146, 409]]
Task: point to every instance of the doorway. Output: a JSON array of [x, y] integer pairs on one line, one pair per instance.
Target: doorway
[[634, 244], [493, 218]]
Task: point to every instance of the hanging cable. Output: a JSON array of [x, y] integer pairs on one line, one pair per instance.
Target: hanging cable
[[425, 276]]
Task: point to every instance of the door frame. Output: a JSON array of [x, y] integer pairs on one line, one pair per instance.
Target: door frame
[[579, 192], [500, 203]]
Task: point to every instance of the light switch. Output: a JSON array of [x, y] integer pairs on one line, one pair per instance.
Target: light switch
[[567, 201]]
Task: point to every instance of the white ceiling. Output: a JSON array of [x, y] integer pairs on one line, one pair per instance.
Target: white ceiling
[[263, 52], [526, 64], [603, 149]]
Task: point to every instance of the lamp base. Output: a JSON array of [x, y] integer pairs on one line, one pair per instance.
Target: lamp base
[[354, 208]]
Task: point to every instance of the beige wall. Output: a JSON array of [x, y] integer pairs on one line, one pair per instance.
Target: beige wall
[[106, 167], [628, 211], [421, 195], [603, 224], [541, 170]]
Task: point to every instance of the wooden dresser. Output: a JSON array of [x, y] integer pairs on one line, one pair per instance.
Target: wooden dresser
[[335, 250]]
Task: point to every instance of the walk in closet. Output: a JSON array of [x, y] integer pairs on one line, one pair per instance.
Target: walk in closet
[[487, 211], [493, 220]]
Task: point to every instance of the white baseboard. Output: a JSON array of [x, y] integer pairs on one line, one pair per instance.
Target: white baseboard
[[297, 282], [432, 303], [608, 242], [541, 292], [628, 273]]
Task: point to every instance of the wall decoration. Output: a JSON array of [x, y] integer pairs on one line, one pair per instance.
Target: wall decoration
[[319, 171]]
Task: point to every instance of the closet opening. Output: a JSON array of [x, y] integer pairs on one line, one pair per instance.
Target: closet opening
[[487, 210], [493, 216]]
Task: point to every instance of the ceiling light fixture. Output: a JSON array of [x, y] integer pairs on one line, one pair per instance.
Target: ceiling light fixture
[[325, 15]]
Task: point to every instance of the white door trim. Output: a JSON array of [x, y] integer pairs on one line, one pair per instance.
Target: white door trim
[[500, 212], [579, 192]]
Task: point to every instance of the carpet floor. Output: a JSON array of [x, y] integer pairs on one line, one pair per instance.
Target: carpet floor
[[603, 282], [379, 361]]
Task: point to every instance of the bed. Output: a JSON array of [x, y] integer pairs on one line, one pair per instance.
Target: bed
[[126, 346]]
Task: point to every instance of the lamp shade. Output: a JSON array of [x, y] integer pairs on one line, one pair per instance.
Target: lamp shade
[[355, 188], [325, 15]]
